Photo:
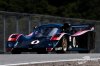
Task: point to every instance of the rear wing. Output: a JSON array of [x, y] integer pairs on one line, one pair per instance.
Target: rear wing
[[73, 28], [83, 26], [82, 29]]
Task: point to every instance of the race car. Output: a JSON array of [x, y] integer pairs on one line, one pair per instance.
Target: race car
[[58, 38]]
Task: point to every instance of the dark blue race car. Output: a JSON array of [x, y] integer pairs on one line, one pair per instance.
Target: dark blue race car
[[53, 38]]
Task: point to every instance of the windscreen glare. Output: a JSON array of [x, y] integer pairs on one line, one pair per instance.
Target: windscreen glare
[[45, 31]]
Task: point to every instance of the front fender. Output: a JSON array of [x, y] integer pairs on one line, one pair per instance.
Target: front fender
[[14, 37], [12, 40]]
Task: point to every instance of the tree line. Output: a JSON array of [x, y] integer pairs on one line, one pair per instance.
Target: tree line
[[85, 9]]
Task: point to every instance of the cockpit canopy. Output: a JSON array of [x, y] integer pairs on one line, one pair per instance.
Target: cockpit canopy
[[45, 31]]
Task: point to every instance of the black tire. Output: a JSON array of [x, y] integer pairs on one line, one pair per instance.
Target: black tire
[[16, 51], [42, 51], [86, 51], [64, 45]]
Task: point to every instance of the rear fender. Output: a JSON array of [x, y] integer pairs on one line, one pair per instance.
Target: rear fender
[[83, 32], [80, 33]]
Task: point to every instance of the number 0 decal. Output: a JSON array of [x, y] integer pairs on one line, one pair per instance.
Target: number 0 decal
[[35, 42]]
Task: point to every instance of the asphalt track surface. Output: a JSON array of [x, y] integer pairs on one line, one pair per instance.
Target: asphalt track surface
[[6, 59]]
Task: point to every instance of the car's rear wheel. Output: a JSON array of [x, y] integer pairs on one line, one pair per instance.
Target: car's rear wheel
[[63, 45], [85, 51]]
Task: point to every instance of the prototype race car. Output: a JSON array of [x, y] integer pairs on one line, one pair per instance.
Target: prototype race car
[[54, 38]]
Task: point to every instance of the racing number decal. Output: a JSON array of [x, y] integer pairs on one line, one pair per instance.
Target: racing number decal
[[35, 42]]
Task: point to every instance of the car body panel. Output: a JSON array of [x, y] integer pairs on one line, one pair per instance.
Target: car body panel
[[51, 39]]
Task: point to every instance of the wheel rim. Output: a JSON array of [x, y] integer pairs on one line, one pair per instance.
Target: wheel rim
[[64, 45]]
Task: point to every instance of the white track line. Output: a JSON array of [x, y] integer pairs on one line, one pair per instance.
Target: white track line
[[80, 61]]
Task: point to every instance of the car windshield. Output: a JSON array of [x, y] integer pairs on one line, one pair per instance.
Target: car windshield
[[45, 31]]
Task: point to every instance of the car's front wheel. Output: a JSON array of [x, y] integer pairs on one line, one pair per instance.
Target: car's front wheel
[[15, 51], [42, 51]]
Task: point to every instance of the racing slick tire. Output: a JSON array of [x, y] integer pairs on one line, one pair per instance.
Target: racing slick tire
[[42, 51], [63, 45], [15, 51]]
